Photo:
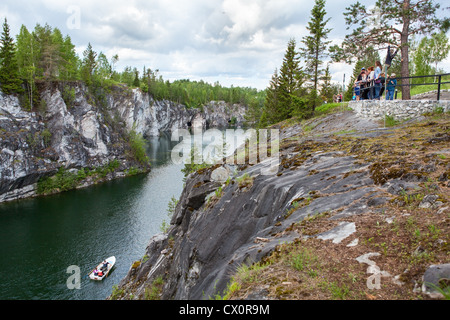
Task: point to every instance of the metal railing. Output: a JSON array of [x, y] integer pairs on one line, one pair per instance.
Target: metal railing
[[437, 82], [437, 77]]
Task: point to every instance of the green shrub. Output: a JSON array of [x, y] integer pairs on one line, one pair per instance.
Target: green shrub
[[46, 137], [62, 181], [65, 180], [138, 143], [390, 121], [193, 167]]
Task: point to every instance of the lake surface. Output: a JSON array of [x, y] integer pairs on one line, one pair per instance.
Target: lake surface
[[41, 238]]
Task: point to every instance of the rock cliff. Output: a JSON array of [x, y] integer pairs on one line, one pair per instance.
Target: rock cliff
[[84, 137], [341, 172]]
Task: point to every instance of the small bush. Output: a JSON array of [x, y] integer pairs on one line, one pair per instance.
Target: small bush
[[138, 143], [390, 121]]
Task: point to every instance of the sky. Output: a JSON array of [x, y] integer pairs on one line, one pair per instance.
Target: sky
[[235, 42]]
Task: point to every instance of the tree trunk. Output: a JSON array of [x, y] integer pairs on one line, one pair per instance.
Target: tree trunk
[[406, 90]]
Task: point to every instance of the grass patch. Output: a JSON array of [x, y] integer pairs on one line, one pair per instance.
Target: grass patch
[[192, 166], [245, 181], [390, 121], [154, 291], [328, 108], [66, 180], [423, 89], [409, 237]]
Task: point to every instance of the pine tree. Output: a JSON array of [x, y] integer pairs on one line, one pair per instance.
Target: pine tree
[[388, 22], [327, 91], [89, 65], [136, 81], [71, 60], [315, 48], [26, 54], [271, 105], [284, 97], [104, 69], [290, 82], [48, 55], [9, 72]]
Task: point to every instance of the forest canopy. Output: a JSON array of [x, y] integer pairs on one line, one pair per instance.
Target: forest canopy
[[45, 54]]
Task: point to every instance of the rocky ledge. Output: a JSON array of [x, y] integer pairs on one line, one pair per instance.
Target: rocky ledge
[[355, 211], [76, 137]]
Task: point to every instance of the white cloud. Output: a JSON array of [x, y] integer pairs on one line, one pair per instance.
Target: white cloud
[[238, 42]]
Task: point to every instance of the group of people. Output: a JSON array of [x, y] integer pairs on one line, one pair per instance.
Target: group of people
[[103, 269], [371, 83]]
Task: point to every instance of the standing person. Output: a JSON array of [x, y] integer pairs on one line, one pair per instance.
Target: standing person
[[357, 85], [370, 76], [382, 83], [377, 80], [391, 84], [363, 84]]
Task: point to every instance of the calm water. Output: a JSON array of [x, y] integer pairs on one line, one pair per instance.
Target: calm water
[[40, 238]]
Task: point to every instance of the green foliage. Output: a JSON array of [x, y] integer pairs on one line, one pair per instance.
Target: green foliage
[[315, 49], [390, 121], [255, 110], [328, 89], [330, 108], [46, 137], [45, 54], [389, 21], [68, 95], [285, 95], [62, 181], [290, 82], [421, 61], [154, 291], [439, 48], [170, 212], [192, 167], [138, 144], [9, 71], [427, 52], [172, 206], [302, 260], [195, 94], [66, 180], [270, 114], [116, 292], [89, 65]]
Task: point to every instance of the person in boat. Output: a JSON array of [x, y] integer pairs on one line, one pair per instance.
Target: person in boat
[[105, 265]]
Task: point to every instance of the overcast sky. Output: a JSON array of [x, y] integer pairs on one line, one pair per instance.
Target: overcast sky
[[235, 42]]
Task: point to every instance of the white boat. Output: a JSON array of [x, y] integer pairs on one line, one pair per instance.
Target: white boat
[[100, 272]]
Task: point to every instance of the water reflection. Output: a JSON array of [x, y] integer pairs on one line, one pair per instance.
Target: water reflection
[[40, 238]]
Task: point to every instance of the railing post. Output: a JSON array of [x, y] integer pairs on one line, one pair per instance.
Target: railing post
[[439, 88]]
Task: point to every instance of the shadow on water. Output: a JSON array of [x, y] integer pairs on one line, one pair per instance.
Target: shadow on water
[[40, 238]]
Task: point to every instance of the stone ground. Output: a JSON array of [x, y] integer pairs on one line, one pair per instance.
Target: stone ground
[[390, 250], [355, 211]]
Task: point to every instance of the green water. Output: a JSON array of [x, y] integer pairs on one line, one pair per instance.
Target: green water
[[40, 238]]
